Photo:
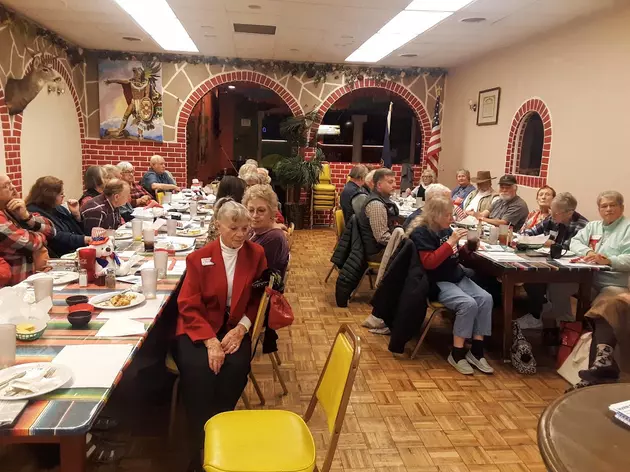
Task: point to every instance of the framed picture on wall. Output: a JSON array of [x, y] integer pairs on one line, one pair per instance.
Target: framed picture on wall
[[488, 107]]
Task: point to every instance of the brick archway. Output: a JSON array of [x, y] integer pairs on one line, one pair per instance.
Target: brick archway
[[12, 126], [414, 102], [530, 107], [220, 79]]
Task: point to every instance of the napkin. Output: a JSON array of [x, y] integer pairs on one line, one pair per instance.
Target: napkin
[[34, 381], [121, 326]]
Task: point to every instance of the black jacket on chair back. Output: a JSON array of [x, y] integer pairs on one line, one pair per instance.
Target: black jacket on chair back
[[349, 258], [401, 297], [69, 234], [350, 191], [369, 241]]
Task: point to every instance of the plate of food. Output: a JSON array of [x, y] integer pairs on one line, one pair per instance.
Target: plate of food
[[117, 300], [191, 232], [122, 234], [71, 256], [23, 381], [60, 277]]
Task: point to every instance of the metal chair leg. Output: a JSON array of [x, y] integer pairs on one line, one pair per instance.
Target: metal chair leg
[[329, 273], [173, 412], [276, 369], [425, 330], [275, 354], [257, 388]]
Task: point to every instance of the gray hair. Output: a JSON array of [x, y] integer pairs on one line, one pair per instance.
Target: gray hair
[[430, 172], [124, 166], [253, 176], [247, 169], [252, 162], [464, 171], [566, 201], [155, 158], [612, 194], [359, 172], [436, 190], [263, 174], [432, 210], [110, 172], [227, 209], [370, 176]]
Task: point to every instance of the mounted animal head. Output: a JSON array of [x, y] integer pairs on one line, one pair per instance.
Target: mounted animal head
[[20, 92]]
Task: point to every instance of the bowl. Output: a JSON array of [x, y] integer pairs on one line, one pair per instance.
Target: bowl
[[79, 319], [76, 300], [36, 333]]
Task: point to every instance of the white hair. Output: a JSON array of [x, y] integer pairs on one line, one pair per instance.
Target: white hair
[[227, 210], [252, 162], [253, 178], [264, 175], [247, 169], [155, 158], [436, 190], [125, 166], [612, 195], [370, 176]]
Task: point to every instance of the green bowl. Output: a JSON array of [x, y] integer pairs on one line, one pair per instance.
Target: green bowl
[[30, 336]]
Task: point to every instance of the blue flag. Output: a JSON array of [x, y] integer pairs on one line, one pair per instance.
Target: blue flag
[[386, 156]]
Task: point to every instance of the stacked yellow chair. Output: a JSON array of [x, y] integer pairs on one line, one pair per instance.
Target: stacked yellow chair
[[324, 193]]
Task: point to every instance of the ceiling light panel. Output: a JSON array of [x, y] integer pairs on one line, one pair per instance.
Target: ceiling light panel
[[159, 21], [438, 5]]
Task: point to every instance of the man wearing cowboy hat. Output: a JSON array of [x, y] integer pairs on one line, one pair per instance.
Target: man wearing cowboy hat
[[480, 199], [509, 208]]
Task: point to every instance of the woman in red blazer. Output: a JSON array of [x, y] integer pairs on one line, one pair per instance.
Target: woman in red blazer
[[217, 307]]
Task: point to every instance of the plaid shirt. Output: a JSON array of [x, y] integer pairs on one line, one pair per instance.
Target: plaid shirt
[[137, 192], [18, 242], [559, 233], [99, 213]]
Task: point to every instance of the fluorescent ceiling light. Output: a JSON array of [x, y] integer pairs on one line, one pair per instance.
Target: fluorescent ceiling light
[[396, 33], [438, 5], [159, 21]]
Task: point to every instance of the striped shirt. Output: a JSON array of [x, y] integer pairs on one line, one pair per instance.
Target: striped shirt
[[99, 213], [19, 242]]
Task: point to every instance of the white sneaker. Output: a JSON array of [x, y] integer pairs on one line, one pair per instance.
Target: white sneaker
[[373, 322], [529, 322]]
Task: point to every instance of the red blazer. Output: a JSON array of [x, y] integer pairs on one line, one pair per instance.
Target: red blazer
[[203, 295]]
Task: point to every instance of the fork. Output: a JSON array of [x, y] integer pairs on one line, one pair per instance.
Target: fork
[[50, 372]]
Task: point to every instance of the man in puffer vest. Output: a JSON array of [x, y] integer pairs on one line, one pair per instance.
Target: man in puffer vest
[[353, 188]]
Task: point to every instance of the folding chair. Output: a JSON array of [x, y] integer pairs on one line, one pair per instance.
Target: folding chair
[[434, 307], [340, 226]]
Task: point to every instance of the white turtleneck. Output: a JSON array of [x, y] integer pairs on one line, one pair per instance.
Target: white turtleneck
[[229, 260]]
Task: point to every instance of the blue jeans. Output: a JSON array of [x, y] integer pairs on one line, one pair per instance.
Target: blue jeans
[[472, 306]]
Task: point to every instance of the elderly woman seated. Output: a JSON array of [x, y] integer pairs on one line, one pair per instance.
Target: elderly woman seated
[[437, 245], [428, 177], [544, 196], [217, 307], [261, 202], [232, 187], [607, 242], [433, 191]]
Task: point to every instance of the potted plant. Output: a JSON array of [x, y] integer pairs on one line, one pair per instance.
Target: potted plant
[[295, 172]]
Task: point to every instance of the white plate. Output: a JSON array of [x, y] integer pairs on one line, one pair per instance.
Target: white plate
[[61, 376], [70, 256], [60, 277], [121, 235], [106, 296], [192, 232]]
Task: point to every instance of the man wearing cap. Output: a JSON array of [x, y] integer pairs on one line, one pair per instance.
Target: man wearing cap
[[509, 208], [482, 197]]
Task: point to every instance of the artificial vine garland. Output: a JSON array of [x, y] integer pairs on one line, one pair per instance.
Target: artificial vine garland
[[316, 71]]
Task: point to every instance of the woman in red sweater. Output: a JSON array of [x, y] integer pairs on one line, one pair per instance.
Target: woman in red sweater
[[217, 307], [437, 245]]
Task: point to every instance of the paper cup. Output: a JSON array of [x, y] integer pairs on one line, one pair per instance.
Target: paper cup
[[7, 345], [43, 288]]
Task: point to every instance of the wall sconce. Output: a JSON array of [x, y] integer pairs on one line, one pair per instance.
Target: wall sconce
[[472, 105]]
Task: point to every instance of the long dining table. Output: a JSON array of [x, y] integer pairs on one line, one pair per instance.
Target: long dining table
[[66, 415]]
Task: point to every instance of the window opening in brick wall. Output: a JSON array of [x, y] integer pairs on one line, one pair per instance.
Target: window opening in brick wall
[[529, 146]]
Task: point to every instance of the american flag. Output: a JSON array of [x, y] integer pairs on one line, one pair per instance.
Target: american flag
[[435, 142]]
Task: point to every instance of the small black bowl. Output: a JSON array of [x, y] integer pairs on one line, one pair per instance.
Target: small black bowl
[[79, 319], [76, 300]]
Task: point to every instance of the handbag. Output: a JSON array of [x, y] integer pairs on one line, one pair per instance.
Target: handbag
[[577, 359], [521, 353], [569, 335], [280, 312]]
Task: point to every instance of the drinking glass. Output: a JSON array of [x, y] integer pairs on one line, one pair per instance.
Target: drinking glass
[[171, 227], [43, 288], [160, 261], [503, 235], [193, 209], [167, 197], [473, 239], [149, 239], [136, 229], [149, 282], [7, 345]]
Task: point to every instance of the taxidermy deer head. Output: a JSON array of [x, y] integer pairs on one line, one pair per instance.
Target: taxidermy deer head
[[20, 92]]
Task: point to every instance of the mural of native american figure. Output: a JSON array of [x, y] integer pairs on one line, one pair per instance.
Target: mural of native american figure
[[133, 110]]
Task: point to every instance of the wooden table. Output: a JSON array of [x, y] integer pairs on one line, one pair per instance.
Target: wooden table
[[532, 270], [577, 432], [65, 416]]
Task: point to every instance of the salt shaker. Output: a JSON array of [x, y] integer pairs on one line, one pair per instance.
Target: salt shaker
[[83, 278]]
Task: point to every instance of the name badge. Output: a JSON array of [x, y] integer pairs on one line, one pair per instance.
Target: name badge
[[207, 261]]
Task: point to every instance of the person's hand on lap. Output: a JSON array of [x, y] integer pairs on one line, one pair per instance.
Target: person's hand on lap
[[216, 356], [232, 340]]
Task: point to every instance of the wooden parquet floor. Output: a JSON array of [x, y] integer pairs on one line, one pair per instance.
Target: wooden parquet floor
[[404, 415]]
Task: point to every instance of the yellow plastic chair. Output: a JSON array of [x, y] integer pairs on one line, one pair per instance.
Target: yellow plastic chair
[[324, 194], [372, 268], [340, 226], [280, 440], [435, 307], [171, 367]]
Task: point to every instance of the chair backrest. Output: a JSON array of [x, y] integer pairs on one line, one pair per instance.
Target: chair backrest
[[340, 223], [290, 234], [335, 386], [260, 315], [324, 175]]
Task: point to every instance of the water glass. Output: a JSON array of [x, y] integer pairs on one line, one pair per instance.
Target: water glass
[[503, 235], [149, 283], [167, 197], [149, 239], [7, 345], [136, 229], [193, 209], [43, 288], [160, 262], [171, 227], [493, 238]]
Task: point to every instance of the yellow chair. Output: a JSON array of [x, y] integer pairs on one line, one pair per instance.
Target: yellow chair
[[324, 194], [340, 226], [434, 307], [279, 440], [171, 367], [372, 268]]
